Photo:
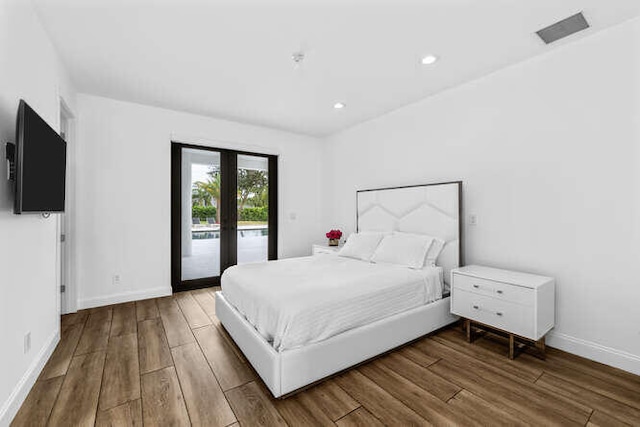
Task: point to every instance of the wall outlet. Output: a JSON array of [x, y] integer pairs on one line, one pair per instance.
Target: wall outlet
[[116, 280], [473, 219], [27, 342]]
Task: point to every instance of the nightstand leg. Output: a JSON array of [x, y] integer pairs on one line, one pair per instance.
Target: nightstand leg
[[542, 348], [467, 324], [512, 344]]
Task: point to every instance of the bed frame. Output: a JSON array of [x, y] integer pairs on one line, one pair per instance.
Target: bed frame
[[432, 209]]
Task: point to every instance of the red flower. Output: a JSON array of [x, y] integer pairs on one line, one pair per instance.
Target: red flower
[[334, 234]]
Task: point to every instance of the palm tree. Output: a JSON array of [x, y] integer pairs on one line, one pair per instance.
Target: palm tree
[[199, 196], [210, 190]]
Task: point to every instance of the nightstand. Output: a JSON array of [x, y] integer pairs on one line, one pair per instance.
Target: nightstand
[[519, 305], [325, 249]]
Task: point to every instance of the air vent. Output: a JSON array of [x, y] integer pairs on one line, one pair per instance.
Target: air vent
[[564, 28]]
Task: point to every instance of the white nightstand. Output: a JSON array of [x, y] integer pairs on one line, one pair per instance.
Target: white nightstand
[[325, 249], [519, 304]]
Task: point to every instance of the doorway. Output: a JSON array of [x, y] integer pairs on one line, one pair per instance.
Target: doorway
[[67, 301], [223, 212]]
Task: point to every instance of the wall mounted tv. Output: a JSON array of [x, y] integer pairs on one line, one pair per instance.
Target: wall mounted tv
[[39, 164]]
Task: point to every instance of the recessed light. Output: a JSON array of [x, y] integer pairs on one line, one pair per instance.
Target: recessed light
[[339, 105], [429, 59]]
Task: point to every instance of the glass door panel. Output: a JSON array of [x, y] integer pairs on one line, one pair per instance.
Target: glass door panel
[[223, 212], [201, 199], [253, 209]]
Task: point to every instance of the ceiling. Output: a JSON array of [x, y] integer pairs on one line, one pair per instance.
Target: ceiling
[[232, 58]]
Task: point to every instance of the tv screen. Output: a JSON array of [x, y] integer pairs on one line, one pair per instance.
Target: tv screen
[[41, 156]]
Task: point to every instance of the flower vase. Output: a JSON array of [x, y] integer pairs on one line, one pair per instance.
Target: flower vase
[[334, 242]]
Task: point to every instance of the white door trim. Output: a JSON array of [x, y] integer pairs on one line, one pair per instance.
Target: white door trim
[[66, 261]]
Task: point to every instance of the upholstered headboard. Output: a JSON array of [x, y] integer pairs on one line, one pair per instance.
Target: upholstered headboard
[[432, 209]]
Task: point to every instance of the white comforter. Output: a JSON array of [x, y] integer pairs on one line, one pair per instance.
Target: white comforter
[[299, 301]]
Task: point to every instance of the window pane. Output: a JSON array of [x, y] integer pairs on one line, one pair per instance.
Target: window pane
[[253, 209], [200, 214]]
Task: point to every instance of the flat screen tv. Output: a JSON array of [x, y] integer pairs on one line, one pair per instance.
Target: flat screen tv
[[40, 165]]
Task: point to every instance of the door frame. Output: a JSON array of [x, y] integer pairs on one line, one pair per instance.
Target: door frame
[[68, 302], [228, 212]]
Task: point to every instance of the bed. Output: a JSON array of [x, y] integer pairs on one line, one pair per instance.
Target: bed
[[303, 319]]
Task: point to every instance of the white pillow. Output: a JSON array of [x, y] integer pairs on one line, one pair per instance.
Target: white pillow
[[434, 252], [361, 245], [409, 250]]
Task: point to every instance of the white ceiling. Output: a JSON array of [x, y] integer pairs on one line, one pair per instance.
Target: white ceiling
[[232, 58]]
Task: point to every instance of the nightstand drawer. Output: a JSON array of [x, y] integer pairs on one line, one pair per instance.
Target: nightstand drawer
[[498, 290], [505, 315]]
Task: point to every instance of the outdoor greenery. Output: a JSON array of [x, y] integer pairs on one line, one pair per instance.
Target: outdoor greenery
[[253, 214], [208, 193], [253, 195], [203, 212], [252, 188]]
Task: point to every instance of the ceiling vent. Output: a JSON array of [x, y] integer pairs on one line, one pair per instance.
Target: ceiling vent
[[564, 28]]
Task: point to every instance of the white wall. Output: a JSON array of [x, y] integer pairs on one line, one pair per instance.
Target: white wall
[[123, 192], [29, 69], [549, 153]]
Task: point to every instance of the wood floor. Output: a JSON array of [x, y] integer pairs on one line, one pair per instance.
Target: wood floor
[[167, 361]]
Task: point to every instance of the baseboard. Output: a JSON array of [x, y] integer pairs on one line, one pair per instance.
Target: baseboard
[[10, 408], [124, 297], [593, 351]]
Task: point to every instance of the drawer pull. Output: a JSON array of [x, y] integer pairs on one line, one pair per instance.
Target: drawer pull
[[476, 307], [499, 291], [499, 313], [476, 286]]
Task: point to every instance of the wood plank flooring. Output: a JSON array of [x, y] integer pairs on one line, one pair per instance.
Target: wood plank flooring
[[168, 361]]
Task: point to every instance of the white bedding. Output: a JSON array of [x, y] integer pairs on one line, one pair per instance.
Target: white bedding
[[299, 301]]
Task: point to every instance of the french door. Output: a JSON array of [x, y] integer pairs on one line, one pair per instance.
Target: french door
[[223, 212]]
